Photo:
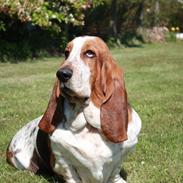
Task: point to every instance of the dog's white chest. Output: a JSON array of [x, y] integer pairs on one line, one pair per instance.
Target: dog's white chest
[[84, 156]]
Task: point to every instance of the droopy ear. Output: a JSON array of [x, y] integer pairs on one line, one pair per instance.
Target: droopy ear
[[102, 87], [114, 114], [54, 112], [109, 94]]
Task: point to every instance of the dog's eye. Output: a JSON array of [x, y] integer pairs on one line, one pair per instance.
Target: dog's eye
[[66, 54], [90, 54]]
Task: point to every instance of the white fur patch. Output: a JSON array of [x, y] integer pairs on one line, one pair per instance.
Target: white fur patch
[[92, 115], [85, 157], [80, 80], [75, 119], [77, 46], [23, 144]]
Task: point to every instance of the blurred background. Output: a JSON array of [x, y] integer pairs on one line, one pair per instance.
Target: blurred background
[[39, 28], [146, 37]]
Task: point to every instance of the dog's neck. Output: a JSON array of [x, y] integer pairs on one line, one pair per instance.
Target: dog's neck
[[80, 114]]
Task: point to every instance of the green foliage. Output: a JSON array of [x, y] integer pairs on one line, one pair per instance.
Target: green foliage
[[115, 20], [170, 37], [45, 13], [29, 29], [121, 19], [2, 26], [25, 41], [162, 13], [57, 21]]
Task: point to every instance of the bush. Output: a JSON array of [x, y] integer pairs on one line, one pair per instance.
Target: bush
[[24, 41], [170, 37]]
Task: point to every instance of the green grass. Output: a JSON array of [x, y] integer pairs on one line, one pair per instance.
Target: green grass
[[154, 81]]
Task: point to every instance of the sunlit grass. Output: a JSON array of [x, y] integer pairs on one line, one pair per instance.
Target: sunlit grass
[[154, 81]]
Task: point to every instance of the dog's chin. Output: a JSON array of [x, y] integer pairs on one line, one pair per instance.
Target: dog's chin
[[73, 96], [68, 92]]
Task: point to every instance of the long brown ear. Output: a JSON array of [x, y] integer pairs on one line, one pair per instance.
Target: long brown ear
[[110, 95], [114, 114], [54, 112]]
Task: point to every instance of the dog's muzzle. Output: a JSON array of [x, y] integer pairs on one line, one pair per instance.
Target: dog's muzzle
[[64, 74]]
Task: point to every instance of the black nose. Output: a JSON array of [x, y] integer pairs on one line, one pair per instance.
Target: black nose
[[64, 74]]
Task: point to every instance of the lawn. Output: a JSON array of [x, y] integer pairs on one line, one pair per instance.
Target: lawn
[[154, 81]]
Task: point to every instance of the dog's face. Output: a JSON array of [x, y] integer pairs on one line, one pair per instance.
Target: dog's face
[[89, 73], [78, 72]]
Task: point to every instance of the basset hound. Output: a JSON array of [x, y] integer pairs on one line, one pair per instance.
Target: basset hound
[[88, 127]]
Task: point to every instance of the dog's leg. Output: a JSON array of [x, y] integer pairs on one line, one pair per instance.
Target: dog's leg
[[67, 172], [21, 150]]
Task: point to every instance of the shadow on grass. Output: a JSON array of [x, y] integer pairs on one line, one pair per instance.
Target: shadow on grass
[[123, 174], [53, 178]]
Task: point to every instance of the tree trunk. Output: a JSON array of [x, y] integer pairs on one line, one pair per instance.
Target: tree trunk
[[114, 21], [156, 12]]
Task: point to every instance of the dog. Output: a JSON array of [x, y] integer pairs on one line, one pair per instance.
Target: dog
[[88, 127]]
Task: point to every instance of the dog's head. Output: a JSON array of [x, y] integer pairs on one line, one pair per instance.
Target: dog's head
[[90, 73]]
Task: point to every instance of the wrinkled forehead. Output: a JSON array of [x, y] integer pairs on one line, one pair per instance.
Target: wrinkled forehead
[[76, 45], [79, 42], [84, 42]]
